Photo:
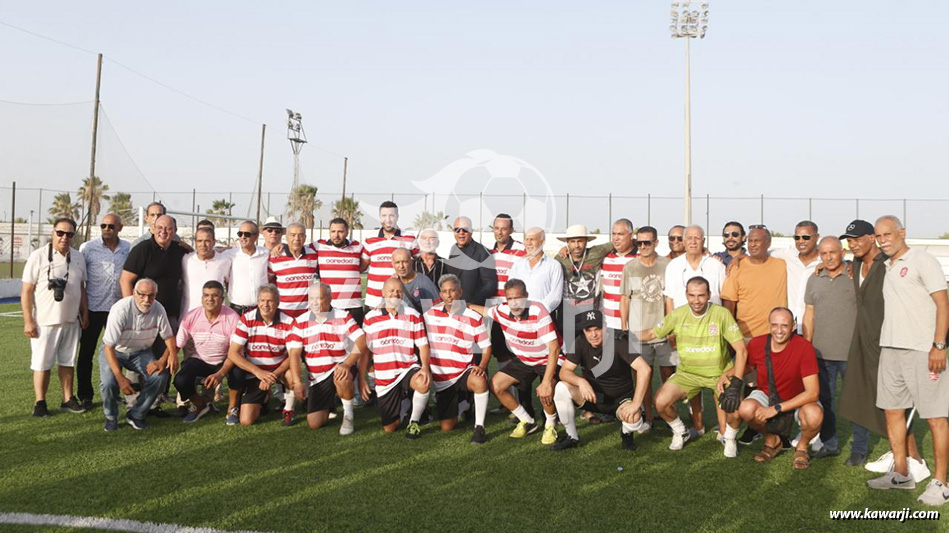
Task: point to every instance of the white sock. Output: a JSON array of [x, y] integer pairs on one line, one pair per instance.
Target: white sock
[[677, 426], [629, 428], [419, 402], [481, 407], [566, 410], [551, 419], [522, 415], [730, 432], [347, 408], [288, 400]]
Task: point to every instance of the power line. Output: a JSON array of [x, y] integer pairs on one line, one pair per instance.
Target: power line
[[10, 102], [124, 149], [57, 41]]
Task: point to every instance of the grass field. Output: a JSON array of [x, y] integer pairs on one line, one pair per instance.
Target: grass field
[[5, 270], [272, 478]]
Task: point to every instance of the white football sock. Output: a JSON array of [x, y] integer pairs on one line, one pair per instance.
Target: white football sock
[[677, 426], [730, 432], [347, 408], [481, 407], [566, 410], [419, 403], [551, 419], [629, 428], [522, 415], [288, 400]]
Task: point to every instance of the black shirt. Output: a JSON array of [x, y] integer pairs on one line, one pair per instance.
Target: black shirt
[[149, 260], [474, 266], [617, 379]]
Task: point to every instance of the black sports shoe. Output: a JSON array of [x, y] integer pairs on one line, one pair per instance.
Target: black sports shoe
[[87, 404], [826, 452], [40, 410], [748, 437], [856, 459], [158, 413], [628, 443], [478, 437], [73, 406], [568, 442]]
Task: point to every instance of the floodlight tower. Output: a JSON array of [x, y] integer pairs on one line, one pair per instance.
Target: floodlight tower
[[688, 23], [297, 138]]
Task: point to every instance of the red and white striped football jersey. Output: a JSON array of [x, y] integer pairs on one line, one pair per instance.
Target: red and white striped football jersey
[[611, 275], [339, 268], [325, 344], [451, 339], [527, 337], [392, 339], [294, 277], [265, 345], [504, 260], [378, 250]]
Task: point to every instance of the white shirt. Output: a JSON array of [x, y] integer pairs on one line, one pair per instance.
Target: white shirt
[[798, 274], [544, 280], [679, 272], [196, 272], [248, 273], [39, 270]]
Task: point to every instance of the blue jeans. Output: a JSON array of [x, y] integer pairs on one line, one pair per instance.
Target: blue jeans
[[109, 387], [828, 371]]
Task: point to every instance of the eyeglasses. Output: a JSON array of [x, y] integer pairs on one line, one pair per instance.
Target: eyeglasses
[[245, 234], [148, 295], [645, 243], [107, 226], [60, 233], [462, 230], [734, 234], [804, 237], [674, 238]]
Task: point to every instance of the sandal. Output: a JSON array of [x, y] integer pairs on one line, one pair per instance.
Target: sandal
[[801, 460], [767, 453]]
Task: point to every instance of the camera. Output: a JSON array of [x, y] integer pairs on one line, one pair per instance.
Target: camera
[[58, 286]]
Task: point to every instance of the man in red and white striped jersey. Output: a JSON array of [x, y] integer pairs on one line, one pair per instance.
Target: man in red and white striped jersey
[[293, 269], [394, 332], [258, 350], [506, 250], [378, 251], [453, 330], [531, 336], [341, 264], [611, 271], [331, 344]]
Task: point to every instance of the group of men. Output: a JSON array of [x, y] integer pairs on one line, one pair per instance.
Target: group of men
[[767, 331]]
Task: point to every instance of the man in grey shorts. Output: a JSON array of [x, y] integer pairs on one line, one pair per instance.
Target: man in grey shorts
[[913, 357], [642, 306]]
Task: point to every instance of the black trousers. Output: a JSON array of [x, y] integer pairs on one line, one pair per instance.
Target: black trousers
[[525, 393], [88, 341], [191, 370]]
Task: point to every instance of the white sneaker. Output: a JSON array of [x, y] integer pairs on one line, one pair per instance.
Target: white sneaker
[[815, 443], [721, 438], [679, 440], [644, 428], [882, 465], [936, 493], [918, 470], [731, 448], [347, 427]]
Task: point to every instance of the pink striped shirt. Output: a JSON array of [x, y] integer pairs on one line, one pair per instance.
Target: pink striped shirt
[[208, 341]]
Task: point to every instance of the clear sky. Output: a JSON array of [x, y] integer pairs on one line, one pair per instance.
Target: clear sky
[[789, 99]]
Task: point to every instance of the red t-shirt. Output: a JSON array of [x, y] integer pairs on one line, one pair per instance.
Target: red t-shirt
[[790, 366]]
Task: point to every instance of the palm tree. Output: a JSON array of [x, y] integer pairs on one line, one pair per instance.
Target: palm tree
[[63, 206], [349, 211], [92, 199], [220, 207], [121, 205], [303, 204], [430, 220]]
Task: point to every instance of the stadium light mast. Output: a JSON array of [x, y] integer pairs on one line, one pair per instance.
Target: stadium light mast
[[688, 23], [297, 138]]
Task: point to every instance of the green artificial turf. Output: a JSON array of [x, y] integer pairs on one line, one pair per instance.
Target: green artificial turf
[[267, 477]]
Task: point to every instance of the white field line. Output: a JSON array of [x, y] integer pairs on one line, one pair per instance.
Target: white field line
[[110, 524], [12, 314]]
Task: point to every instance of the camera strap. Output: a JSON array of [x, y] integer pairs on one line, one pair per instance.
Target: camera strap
[[49, 258]]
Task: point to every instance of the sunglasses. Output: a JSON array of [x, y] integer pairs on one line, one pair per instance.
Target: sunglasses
[[107, 226], [60, 233], [644, 243], [273, 230], [674, 238], [245, 234], [799, 237], [734, 234], [462, 230]]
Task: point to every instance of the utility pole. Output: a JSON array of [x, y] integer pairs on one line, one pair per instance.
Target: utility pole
[[260, 169], [92, 158], [342, 200]]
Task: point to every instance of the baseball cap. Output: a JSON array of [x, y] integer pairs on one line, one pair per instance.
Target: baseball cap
[[590, 318], [858, 228]]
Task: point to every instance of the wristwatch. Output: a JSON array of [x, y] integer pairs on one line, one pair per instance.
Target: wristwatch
[[777, 408], [939, 345]]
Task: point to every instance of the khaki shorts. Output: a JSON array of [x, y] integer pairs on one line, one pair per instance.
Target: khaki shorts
[[904, 381], [659, 351], [56, 345], [692, 384]]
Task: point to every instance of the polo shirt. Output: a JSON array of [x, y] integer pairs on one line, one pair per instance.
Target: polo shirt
[[339, 268], [206, 340], [544, 280], [451, 339], [195, 272], [393, 340], [417, 291], [103, 270], [294, 276], [266, 342], [798, 274], [835, 314], [247, 275], [790, 366], [129, 330], [528, 334], [378, 251], [909, 312], [504, 260], [149, 260], [325, 342], [39, 269], [702, 341], [679, 271]]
